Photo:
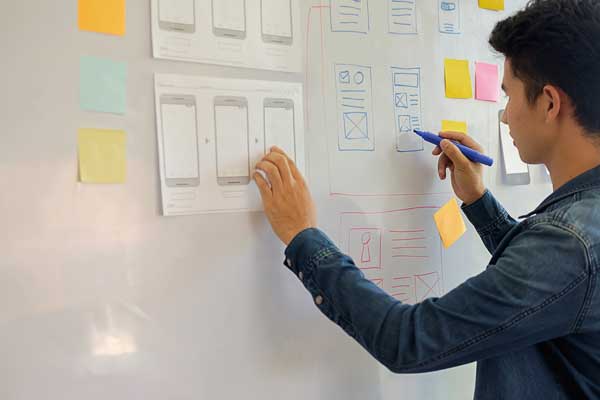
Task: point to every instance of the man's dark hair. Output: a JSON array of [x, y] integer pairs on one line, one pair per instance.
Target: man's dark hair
[[556, 42]]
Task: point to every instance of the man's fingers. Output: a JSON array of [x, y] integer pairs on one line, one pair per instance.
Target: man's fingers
[[279, 150], [443, 163], [463, 139], [294, 169], [281, 161], [436, 151], [272, 174], [263, 187], [454, 154]]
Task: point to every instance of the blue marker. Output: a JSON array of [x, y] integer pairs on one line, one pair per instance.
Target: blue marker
[[471, 154]]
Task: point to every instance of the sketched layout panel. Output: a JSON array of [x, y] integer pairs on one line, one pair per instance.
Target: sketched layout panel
[[399, 250], [349, 16], [241, 33], [402, 17], [406, 84], [355, 108], [449, 16]]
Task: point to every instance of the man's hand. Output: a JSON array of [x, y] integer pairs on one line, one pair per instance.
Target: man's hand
[[467, 176], [287, 200]]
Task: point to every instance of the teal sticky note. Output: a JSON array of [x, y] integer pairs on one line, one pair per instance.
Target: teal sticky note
[[103, 85]]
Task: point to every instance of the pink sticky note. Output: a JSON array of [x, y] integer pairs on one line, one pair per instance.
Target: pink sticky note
[[486, 82]]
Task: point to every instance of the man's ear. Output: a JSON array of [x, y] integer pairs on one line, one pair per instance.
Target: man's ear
[[552, 102]]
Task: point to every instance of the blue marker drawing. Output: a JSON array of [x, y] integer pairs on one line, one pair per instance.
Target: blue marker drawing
[[349, 16], [406, 86], [449, 16], [356, 125], [402, 17], [355, 107]]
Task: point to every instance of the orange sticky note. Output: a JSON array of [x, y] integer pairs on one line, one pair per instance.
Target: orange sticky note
[[102, 156], [450, 223], [458, 79], [103, 16], [496, 5]]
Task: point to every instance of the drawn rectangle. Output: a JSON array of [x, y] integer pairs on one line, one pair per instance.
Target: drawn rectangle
[[365, 246], [231, 141], [427, 285], [356, 125], [276, 17], [401, 100], [449, 16], [349, 16], [406, 86], [403, 289], [355, 109], [406, 79], [279, 125], [402, 17], [229, 15], [180, 140]]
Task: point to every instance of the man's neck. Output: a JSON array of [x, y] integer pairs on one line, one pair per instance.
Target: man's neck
[[570, 159]]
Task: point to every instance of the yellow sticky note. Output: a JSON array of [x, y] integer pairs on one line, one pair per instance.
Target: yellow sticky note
[[103, 16], [458, 79], [497, 5], [454, 126], [101, 156], [450, 223]]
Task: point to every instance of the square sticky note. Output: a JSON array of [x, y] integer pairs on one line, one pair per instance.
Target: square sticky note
[[487, 86], [103, 16], [102, 85], [458, 79], [497, 5], [454, 126], [450, 223], [102, 156]]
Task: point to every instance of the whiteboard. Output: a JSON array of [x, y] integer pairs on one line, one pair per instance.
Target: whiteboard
[[101, 297]]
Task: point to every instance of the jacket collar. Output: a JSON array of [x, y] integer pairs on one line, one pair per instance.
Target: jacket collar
[[586, 181]]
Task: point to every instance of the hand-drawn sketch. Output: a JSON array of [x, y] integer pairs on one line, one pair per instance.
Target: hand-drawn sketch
[[400, 250], [403, 288], [354, 101], [406, 83], [449, 16], [364, 246], [402, 17], [414, 289], [427, 285], [349, 16]]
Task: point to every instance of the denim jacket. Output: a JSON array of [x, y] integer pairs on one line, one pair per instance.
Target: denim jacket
[[531, 320]]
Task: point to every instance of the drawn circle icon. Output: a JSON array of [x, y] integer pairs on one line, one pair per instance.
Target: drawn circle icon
[[359, 78]]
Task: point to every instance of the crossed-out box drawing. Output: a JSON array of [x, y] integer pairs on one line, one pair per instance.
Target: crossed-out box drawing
[[355, 107]]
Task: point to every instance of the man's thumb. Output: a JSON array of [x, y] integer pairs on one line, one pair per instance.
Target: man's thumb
[[453, 153]]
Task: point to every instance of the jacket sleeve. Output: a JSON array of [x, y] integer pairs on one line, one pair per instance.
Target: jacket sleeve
[[521, 300], [490, 219]]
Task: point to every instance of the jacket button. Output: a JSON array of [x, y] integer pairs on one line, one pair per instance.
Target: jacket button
[[300, 275], [318, 300]]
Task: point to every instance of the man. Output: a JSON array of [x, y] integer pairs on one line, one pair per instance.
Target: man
[[532, 318]]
